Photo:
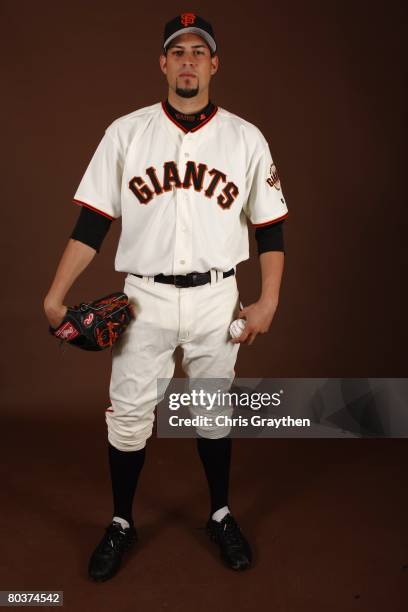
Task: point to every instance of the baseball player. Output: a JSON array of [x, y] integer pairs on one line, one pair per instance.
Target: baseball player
[[184, 176]]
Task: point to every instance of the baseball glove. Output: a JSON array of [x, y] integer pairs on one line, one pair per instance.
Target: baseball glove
[[96, 325]]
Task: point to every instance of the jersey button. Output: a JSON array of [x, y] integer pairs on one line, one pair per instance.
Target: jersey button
[[182, 261], [186, 154]]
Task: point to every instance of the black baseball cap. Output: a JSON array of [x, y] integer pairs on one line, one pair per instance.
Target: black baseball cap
[[189, 22]]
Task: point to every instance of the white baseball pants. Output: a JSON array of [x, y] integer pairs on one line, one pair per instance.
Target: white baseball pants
[[197, 319]]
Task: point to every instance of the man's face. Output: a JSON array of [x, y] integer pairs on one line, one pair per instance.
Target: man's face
[[188, 65]]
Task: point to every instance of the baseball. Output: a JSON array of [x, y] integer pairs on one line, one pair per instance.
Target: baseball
[[237, 327]]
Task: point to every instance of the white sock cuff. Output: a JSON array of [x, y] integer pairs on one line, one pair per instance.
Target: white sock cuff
[[219, 514], [122, 521]]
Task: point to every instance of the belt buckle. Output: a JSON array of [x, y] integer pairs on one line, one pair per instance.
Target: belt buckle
[[180, 281], [194, 277]]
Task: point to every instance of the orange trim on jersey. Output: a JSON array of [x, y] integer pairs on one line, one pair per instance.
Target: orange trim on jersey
[[182, 126], [93, 208], [205, 121], [270, 222]]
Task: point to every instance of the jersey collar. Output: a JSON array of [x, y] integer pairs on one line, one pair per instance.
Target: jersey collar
[[209, 112]]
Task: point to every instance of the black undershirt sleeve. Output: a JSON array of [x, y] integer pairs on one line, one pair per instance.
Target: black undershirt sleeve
[[91, 228], [270, 237]]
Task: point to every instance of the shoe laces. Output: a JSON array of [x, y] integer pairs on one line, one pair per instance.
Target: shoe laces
[[114, 537]]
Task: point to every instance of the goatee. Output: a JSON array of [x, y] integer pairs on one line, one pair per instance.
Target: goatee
[[186, 93]]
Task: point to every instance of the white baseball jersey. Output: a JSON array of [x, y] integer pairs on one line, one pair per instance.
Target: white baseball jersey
[[184, 197]]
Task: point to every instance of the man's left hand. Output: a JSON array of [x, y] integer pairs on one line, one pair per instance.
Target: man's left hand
[[258, 317]]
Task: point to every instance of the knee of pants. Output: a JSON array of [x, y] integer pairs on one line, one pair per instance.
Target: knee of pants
[[127, 434]]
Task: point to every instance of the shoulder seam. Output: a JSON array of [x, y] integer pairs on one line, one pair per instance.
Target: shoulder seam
[[147, 110]]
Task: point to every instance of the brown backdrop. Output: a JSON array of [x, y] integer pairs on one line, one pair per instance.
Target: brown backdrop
[[325, 83]]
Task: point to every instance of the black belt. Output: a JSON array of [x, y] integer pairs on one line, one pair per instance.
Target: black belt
[[193, 279]]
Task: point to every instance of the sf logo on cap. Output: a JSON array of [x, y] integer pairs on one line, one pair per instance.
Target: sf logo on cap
[[187, 19]]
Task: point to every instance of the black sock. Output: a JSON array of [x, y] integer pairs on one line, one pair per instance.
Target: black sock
[[216, 459], [125, 468]]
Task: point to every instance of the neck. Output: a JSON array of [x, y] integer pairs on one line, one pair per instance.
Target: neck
[[188, 105]]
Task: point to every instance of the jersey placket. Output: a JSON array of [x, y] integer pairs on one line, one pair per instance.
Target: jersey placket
[[183, 252]]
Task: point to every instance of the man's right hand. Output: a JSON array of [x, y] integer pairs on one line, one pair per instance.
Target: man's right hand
[[54, 313], [76, 257]]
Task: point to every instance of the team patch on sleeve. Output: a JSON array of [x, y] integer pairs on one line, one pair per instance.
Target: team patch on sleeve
[[273, 178]]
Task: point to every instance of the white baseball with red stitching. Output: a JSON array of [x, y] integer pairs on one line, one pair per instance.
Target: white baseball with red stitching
[[237, 327]]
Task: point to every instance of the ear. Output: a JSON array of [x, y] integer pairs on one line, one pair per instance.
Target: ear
[[214, 64], [163, 63]]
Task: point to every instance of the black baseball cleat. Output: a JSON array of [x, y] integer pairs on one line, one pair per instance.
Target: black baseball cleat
[[107, 556], [234, 548]]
